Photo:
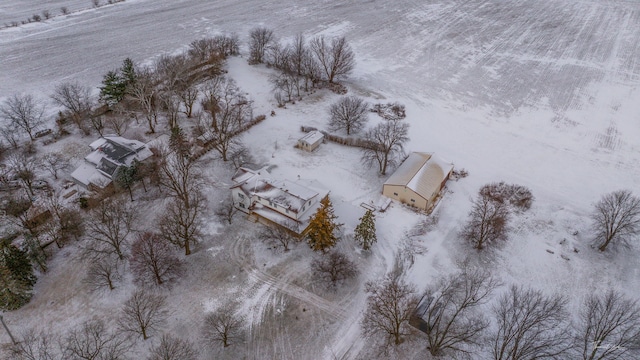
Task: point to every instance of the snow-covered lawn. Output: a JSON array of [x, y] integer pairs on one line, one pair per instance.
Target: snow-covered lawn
[[540, 93]]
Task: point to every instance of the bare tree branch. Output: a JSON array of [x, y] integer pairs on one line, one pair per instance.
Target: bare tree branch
[[142, 313], [224, 326], [171, 348], [153, 259], [24, 112], [531, 325], [390, 305], [616, 219], [608, 328], [349, 113]]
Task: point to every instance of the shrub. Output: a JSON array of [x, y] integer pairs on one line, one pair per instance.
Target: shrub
[[64, 10], [516, 195], [36, 17], [46, 14]]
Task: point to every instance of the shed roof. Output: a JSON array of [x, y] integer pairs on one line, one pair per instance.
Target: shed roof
[[312, 137], [421, 172]]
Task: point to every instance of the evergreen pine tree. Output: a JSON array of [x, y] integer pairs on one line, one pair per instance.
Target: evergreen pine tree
[[178, 141], [321, 232], [128, 73], [35, 252], [113, 89], [16, 278], [365, 232], [126, 176]]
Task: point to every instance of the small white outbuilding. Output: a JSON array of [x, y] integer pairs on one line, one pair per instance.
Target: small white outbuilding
[[311, 140]]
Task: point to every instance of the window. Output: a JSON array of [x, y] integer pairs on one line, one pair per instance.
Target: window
[[242, 205], [396, 194], [241, 196], [412, 200], [302, 207]]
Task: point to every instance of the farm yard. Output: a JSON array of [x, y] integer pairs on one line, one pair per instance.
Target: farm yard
[[539, 94]]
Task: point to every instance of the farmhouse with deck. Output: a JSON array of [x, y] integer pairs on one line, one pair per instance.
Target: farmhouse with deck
[[279, 202]]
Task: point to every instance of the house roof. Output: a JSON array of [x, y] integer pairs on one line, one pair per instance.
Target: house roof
[[109, 153], [421, 172], [285, 193], [118, 150], [312, 137]]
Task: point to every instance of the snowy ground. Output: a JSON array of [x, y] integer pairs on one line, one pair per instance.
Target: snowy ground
[[539, 93]]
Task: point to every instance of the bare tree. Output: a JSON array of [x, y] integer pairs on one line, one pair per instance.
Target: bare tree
[[386, 141], [34, 345], [19, 211], [171, 348], [226, 210], [215, 48], [487, 222], [145, 92], [349, 113], [188, 95], [54, 162], [530, 325], [104, 271], [92, 341], [170, 104], [181, 223], [24, 112], [119, 124], [224, 325], [390, 304], [260, 39], [449, 310], [9, 133], [153, 259], [333, 268], [608, 328], [277, 236], [24, 168], [336, 59], [285, 83], [297, 54], [108, 226], [65, 224], [77, 101], [227, 112], [616, 219], [98, 124], [142, 313], [241, 156], [179, 175]]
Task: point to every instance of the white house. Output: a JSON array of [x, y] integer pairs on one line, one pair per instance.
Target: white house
[[311, 140], [108, 154], [290, 204]]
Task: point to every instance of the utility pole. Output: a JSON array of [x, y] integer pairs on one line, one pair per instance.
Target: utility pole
[[8, 332]]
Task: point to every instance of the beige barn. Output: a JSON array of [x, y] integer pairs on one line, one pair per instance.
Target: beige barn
[[418, 181]]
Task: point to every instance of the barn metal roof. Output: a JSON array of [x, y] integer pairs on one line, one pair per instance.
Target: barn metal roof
[[421, 172]]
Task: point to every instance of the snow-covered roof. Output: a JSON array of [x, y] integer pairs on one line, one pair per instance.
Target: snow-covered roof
[[422, 173], [291, 195], [109, 153], [87, 174], [117, 150], [312, 137]]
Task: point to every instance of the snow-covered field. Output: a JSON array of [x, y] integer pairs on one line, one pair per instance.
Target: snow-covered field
[[541, 93]]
